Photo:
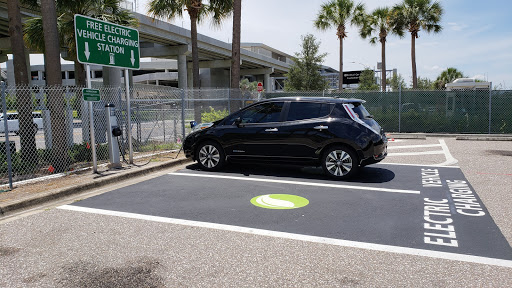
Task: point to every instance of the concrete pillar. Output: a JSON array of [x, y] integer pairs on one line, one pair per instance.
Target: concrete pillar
[[267, 84], [190, 82], [111, 76], [27, 57], [182, 71]]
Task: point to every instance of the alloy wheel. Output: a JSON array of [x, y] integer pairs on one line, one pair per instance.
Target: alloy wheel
[[209, 156], [338, 163]]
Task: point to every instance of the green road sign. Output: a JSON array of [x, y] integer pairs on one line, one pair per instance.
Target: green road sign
[[91, 94], [107, 44]]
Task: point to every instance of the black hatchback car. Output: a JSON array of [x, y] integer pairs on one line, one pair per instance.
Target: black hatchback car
[[337, 134]]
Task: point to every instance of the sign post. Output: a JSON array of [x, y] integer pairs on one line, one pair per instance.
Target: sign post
[[260, 89], [107, 44]]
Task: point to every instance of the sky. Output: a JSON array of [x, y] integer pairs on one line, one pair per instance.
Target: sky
[[476, 37]]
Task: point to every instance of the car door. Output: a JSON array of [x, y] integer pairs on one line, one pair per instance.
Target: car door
[[306, 129], [257, 135]]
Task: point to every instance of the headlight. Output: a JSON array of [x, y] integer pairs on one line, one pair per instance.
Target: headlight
[[202, 126]]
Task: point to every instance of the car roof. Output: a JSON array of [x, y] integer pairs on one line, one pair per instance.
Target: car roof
[[299, 98]]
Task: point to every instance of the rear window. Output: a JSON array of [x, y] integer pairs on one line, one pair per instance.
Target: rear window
[[308, 110], [362, 113]]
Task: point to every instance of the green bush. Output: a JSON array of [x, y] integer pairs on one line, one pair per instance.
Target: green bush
[[213, 115], [81, 153]]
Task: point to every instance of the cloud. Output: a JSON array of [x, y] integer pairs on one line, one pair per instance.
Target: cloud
[[456, 26], [479, 77]]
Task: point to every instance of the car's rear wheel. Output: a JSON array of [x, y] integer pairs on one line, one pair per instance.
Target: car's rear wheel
[[340, 162], [210, 156]]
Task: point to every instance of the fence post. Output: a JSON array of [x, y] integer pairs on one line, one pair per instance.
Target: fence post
[[399, 108], [490, 105], [6, 132], [182, 114]]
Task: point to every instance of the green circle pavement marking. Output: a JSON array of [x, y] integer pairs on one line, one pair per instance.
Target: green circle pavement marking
[[279, 201]]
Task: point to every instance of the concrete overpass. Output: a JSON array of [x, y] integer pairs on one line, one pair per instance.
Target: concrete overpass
[[159, 39]]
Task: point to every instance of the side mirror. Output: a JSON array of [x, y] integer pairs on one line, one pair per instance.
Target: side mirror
[[238, 121], [193, 124]]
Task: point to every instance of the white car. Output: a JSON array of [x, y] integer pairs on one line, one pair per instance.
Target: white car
[[13, 123]]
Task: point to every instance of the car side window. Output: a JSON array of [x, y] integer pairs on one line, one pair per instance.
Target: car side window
[[263, 113], [308, 110]]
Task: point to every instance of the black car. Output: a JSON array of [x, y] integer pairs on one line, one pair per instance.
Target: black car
[[337, 134]]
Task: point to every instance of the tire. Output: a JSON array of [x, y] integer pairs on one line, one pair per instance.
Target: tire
[[210, 156], [340, 162]]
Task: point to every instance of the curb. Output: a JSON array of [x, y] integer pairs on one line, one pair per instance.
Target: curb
[[97, 183], [484, 138], [472, 137]]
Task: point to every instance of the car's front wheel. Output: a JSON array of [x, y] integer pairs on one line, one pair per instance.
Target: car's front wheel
[[340, 162], [210, 156]]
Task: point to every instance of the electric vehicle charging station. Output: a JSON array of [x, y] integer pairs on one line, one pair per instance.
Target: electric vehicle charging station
[[113, 132]]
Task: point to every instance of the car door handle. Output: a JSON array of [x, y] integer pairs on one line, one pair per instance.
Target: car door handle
[[271, 130], [321, 127]]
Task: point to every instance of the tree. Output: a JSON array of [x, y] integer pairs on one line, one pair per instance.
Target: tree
[[197, 10], [414, 15], [425, 84], [367, 81], [447, 76], [235, 56], [397, 82], [54, 82], [106, 10], [379, 21], [21, 77], [247, 86], [235, 46], [339, 14], [304, 73]]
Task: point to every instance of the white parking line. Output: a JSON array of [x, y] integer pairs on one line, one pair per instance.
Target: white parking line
[[442, 144], [298, 183], [449, 158], [414, 146], [416, 153], [416, 165], [299, 237]]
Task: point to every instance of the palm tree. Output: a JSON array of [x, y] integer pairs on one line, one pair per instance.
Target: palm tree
[[106, 10], [447, 76], [54, 80], [379, 21], [235, 55], [339, 14], [235, 46], [21, 77], [197, 10], [414, 15]]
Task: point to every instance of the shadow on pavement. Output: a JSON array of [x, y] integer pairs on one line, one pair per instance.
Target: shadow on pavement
[[367, 174]]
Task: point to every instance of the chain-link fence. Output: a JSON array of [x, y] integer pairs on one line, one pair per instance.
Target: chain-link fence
[[460, 111], [48, 127], [49, 131]]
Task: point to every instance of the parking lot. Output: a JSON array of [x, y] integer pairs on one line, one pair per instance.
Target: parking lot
[[387, 207], [434, 199]]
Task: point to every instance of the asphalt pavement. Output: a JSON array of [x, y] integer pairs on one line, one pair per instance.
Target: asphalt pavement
[[184, 227]]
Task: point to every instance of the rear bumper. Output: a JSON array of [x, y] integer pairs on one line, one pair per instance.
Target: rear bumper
[[380, 151]]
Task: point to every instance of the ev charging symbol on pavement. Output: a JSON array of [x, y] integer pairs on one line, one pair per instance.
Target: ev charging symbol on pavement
[[279, 201]]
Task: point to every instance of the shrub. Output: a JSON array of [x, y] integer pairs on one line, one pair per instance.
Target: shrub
[[213, 115]]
